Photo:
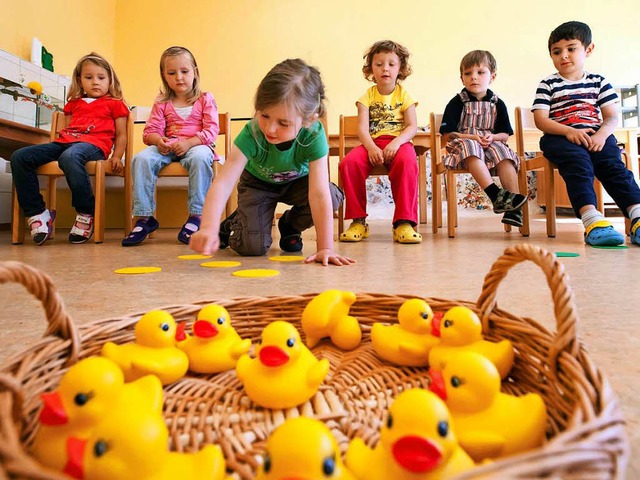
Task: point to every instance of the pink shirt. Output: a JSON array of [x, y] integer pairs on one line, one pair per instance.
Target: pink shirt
[[202, 122]]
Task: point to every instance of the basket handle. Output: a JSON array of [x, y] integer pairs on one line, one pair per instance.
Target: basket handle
[[40, 285], [564, 306]]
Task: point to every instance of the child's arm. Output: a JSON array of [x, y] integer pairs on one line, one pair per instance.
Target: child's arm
[[375, 152], [609, 124], [154, 129], [409, 131], [119, 145], [206, 240], [322, 213], [210, 128], [574, 135]]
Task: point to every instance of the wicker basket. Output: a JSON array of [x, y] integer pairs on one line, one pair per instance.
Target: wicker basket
[[586, 437]]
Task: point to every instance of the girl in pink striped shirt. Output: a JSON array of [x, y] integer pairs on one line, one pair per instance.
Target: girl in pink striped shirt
[[182, 126]]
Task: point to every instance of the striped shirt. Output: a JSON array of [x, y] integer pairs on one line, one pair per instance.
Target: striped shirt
[[576, 103]]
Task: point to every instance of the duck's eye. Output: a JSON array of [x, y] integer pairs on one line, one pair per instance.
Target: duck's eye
[[455, 382], [425, 315], [220, 321], [443, 428], [447, 323], [389, 421], [100, 448], [81, 399], [329, 466], [165, 327], [291, 342], [266, 466]]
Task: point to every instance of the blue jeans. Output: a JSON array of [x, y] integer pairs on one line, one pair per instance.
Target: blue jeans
[[72, 158], [146, 165]]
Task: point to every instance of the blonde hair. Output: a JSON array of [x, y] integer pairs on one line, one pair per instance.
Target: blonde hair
[[166, 93], [478, 57], [387, 46], [76, 91]]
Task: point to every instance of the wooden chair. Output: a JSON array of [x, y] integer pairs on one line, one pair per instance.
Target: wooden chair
[[348, 139], [438, 170], [175, 169], [98, 169]]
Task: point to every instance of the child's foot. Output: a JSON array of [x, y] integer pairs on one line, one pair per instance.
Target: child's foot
[[225, 231], [355, 233], [290, 238], [191, 226], [42, 226], [82, 229], [513, 218], [140, 231], [404, 233], [635, 231], [602, 234], [508, 201]]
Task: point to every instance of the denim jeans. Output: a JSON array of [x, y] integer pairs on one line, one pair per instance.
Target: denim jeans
[[146, 165], [72, 158]]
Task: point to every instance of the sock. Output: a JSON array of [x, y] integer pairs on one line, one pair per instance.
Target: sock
[[634, 212], [590, 217], [492, 192]]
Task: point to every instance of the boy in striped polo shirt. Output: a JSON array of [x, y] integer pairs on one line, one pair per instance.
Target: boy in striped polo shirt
[[578, 112]]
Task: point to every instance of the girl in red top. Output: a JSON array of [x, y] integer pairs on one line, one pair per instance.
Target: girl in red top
[[98, 123]]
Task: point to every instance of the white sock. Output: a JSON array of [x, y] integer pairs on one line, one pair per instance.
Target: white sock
[[590, 217], [634, 211]]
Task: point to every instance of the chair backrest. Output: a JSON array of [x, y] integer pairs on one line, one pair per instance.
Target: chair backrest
[[524, 120], [348, 129], [437, 140], [58, 123]]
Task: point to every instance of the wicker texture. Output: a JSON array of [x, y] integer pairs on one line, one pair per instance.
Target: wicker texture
[[585, 427]]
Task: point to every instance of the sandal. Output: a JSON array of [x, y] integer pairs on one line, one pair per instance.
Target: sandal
[[602, 233], [191, 226], [635, 231], [404, 233], [42, 226], [82, 229], [355, 233], [140, 231]]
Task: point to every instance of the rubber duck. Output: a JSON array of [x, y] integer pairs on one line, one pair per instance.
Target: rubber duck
[[327, 315], [284, 373], [461, 329], [489, 423], [153, 352], [303, 448], [88, 392], [417, 441], [35, 87], [215, 346], [138, 452], [409, 342]]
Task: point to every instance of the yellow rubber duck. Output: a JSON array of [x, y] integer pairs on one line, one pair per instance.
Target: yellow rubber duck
[[489, 423], [417, 441], [89, 391], [327, 315], [153, 352], [409, 342], [35, 87], [135, 447], [216, 346], [284, 373], [303, 448], [461, 329]]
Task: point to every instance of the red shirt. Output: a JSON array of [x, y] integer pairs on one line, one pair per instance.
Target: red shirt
[[93, 122]]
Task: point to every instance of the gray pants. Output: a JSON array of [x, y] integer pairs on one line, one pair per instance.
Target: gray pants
[[251, 223]]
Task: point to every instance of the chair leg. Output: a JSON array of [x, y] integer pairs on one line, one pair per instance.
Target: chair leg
[[99, 213], [524, 190], [436, 200], [597, 186], [422, 187], [452, 208], [17, 221], [341, 218], [128, 204], [550, 200], [52, 198]]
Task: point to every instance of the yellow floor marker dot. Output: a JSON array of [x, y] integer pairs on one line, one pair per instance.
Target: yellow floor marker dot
[[220, 264], [287, 258], [137, 270], [194, 256], [256, 273]]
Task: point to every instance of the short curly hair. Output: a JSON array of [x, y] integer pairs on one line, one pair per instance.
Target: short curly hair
[[387, 46], [478, 57]]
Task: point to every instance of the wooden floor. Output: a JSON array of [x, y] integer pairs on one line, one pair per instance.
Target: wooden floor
[[605, 284]]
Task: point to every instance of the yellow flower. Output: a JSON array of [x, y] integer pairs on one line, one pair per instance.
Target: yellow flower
[[35, 87]]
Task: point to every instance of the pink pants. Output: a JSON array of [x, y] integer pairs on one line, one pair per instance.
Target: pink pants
[[403, 176]]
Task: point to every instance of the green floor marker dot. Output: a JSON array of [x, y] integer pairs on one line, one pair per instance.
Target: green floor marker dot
[[567, 254], [610, 247]]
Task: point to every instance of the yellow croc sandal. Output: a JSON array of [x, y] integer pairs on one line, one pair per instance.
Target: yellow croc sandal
[[404, 233], [355, 232]]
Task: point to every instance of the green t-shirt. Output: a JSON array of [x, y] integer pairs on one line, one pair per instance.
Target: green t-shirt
[[268, 163]]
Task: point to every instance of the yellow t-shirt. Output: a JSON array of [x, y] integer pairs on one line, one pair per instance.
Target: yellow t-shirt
[[386, 112]]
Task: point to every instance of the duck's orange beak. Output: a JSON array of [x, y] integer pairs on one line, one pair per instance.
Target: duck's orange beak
[[436, 385], [435, 323], [271, 356], [180, 332], [53, 411], [416, 454], [75, 454], [202, 329]]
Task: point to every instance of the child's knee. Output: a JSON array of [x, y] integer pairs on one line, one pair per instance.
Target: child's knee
[[249, 244]]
